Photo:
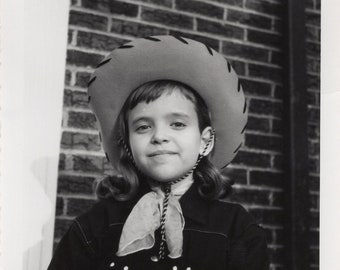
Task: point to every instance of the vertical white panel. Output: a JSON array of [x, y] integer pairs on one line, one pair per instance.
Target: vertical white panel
[[34, 39], [330, 137]]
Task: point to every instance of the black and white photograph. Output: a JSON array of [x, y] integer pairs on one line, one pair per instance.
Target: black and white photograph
[[169, 135]]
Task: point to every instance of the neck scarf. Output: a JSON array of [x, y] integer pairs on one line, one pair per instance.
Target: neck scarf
[[139, 229]]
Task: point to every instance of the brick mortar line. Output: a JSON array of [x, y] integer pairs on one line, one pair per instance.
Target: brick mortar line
[[266, 116], [76, 88], [314, 74], [254, 168], [189, 31], [317, 27], [313, 41], [74, 109], [225, 14], [80, 131], [313, 25], [65, 217], [224, 6], [317, 74], [257, 206], [312, 106], [258, 188], [273, 227], [260, 151], [80, 174], [64, 206], [262, 79], [313, 88], [275, 246], [74, 68], [258, 79], [87, 50], [74, 38], [315, 11], [75, 196], [73, 78], [78, 152], [254, 96], [191, 15], [276, 266], [269, 170], [274, 100], [249, 61], [264, 134], [64, 120]]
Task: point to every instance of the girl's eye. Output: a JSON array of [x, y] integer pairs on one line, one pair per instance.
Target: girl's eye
[[142, 128], [178, 125]]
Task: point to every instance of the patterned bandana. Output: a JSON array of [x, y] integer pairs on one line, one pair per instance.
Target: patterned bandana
[[139, 229]]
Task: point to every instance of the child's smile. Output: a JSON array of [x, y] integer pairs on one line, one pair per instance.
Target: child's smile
[[164, 136]]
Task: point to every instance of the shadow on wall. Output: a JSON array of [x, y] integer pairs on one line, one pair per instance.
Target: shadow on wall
[[38, 213]]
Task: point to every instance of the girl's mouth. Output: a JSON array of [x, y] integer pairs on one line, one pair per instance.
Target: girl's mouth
[[161, 153]]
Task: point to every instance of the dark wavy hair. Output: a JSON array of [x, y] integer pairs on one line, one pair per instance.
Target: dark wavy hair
[[212, 184]]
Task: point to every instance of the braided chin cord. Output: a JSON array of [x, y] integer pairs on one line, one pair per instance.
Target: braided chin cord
[[166, 188]]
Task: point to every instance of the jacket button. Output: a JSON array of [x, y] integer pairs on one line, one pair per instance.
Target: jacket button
[[112, 264], [174, 268], [188, 268], [154, 258], [126, 268]]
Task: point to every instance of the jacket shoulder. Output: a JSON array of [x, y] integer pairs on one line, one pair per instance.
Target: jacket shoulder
[[103, 215], [232, 217]]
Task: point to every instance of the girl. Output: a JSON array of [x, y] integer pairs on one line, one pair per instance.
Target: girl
[[182, 120]]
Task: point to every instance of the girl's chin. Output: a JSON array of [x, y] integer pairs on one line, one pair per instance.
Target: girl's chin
[[165, 174], [165, 178]]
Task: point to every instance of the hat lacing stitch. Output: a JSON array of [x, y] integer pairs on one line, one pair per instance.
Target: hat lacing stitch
[[166, 187]]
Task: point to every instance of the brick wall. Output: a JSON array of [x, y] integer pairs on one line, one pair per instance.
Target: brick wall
[[247, 32], [313, 84]]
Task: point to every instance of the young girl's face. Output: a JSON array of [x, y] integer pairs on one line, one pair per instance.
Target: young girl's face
[[164, 136]]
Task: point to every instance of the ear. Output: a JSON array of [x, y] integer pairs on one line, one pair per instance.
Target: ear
[[206, 135]]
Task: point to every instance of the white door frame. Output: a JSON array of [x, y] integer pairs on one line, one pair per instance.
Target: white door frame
[[33, 55]]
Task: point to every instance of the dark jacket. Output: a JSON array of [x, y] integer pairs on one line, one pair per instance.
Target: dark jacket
[[217, 235]]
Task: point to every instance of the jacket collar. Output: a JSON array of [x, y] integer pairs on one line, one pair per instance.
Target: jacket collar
[[195, 207]]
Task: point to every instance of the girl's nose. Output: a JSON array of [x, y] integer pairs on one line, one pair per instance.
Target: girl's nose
[[159, 136]]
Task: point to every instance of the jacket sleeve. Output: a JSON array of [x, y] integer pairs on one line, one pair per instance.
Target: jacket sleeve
[[256, 246], [74, 251], [248, 247]]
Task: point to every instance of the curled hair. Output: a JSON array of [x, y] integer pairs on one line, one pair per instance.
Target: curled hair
[[212, 184]]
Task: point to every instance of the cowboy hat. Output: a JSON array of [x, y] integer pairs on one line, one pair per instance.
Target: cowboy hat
[[170, 58]]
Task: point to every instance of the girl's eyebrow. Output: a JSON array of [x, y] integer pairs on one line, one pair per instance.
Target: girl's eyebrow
[[170, 115], [179, 114], [142, 118]]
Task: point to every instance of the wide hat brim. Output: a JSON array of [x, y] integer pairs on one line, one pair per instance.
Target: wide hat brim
[[170, 58]]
